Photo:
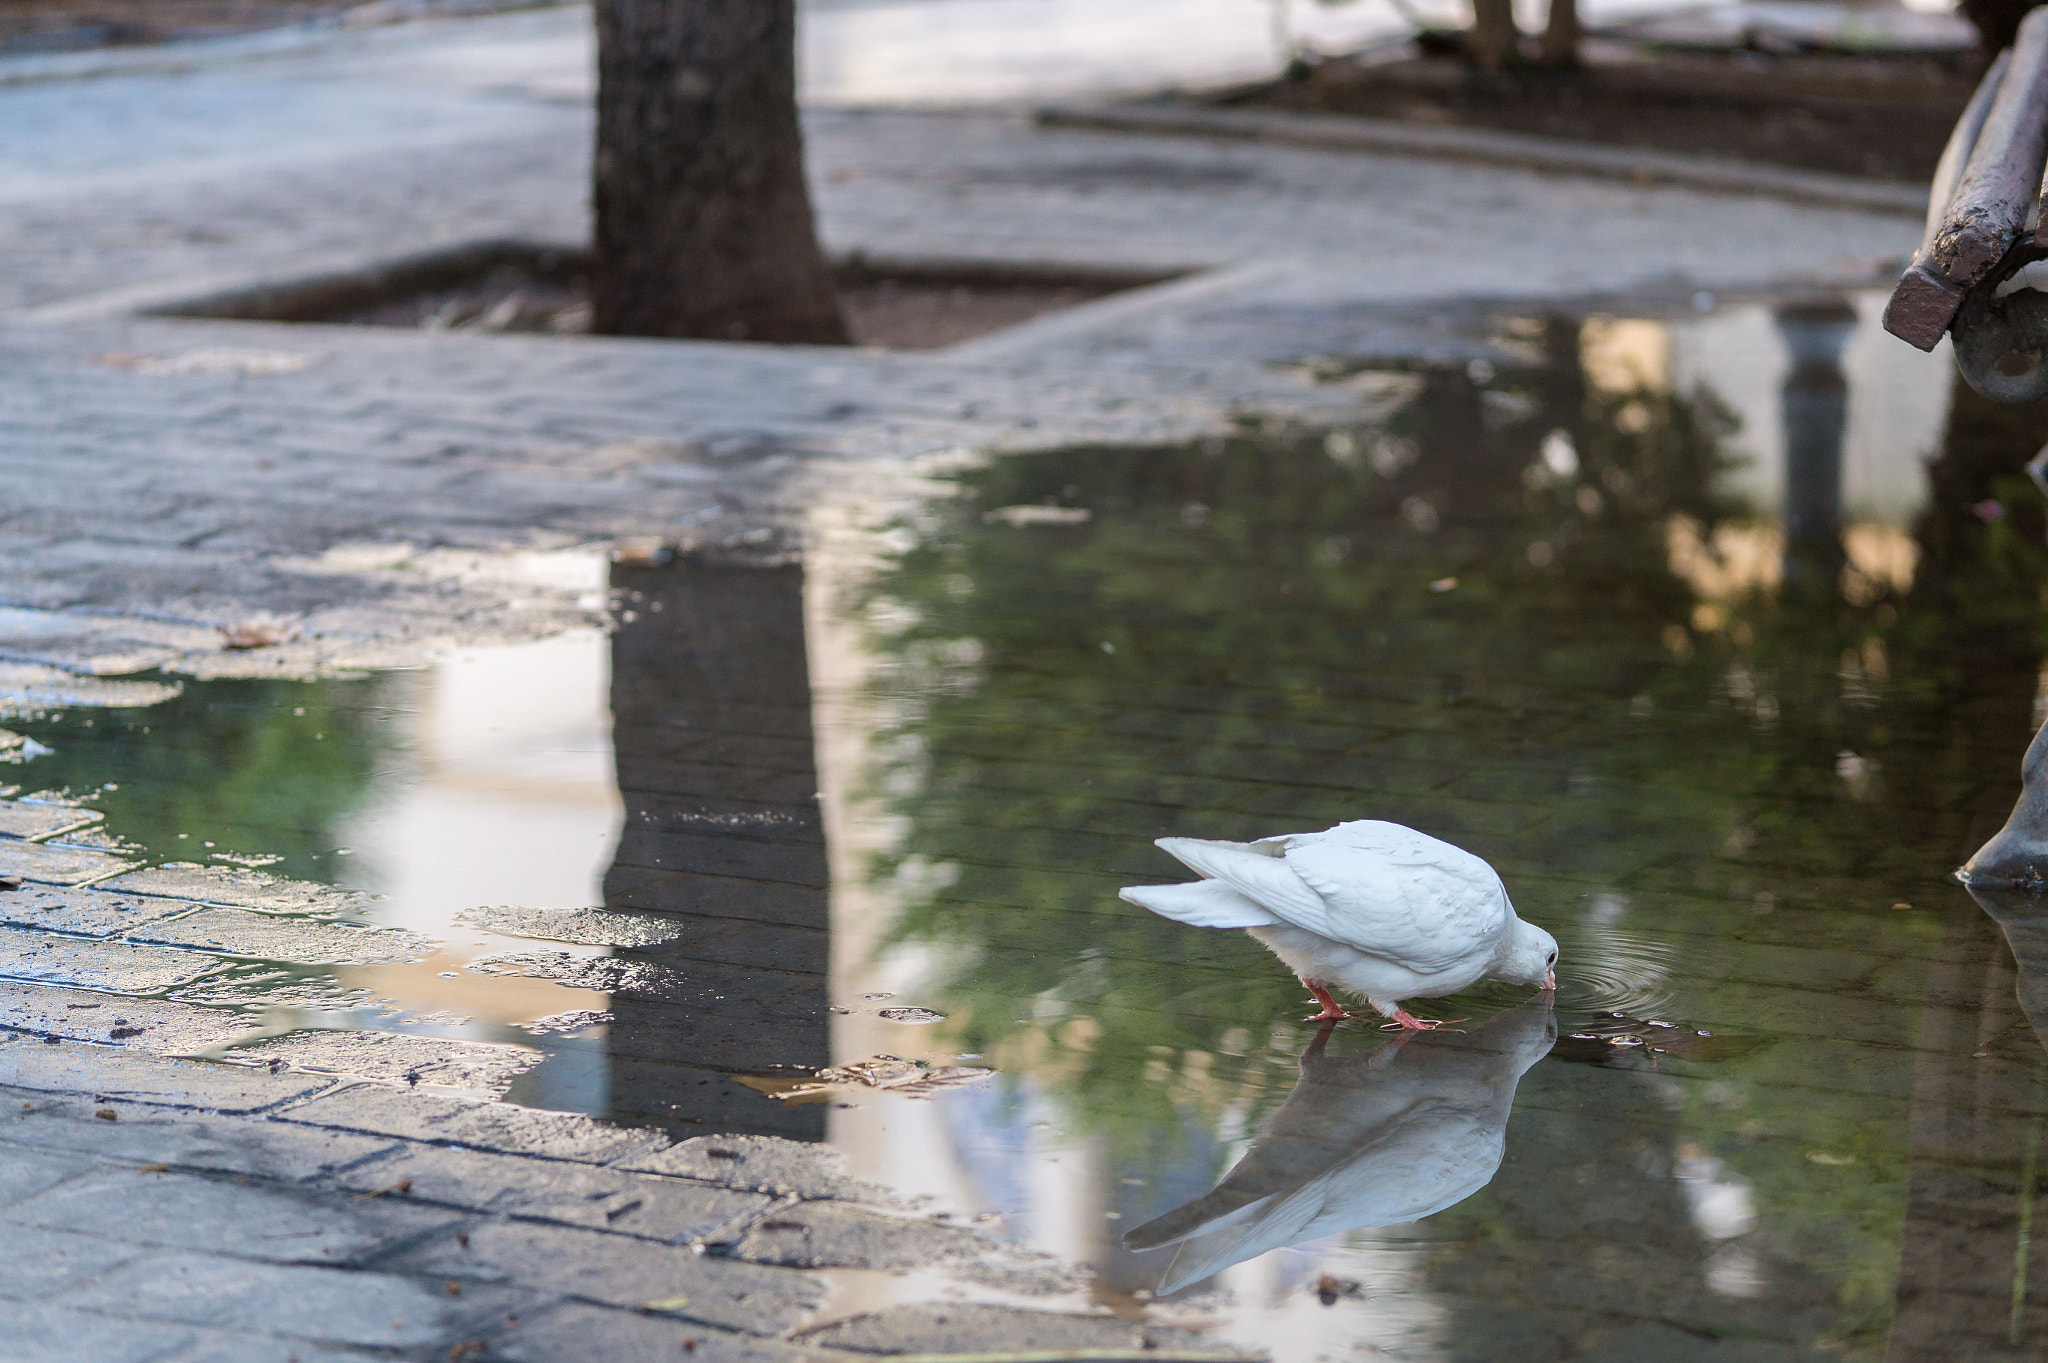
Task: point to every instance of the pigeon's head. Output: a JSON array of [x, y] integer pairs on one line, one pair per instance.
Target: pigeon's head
[[1530, 958]]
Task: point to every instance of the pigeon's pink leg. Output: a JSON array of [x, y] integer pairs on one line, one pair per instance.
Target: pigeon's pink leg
[[1408, 1021], [1317, 1043], [1332, 1010]]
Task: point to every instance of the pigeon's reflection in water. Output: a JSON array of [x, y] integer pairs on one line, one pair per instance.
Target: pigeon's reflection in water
[[1378, 1138]]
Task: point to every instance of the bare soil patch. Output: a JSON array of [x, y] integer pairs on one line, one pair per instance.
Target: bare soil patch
[[1885, 117], [518, 287]]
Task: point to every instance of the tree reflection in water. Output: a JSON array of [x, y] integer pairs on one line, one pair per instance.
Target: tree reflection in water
[[1516, 611]]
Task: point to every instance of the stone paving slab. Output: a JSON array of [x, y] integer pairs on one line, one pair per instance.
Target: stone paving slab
[[29, 1175], [395, 1056], [116, 1076], [247, 1236], [975, 1328], [21, 820], [198, 1144], [284, 1301], [58, 865], [42, 1332], [193, 1212], [116, 967], [89, 912], [237, 888], [826, 1235], [615, 1272], [159, 1025], [484, 1126], [274, 937], [586, 927], [39, 1262], [669, 1211], [761, 1164], [586, 1334]]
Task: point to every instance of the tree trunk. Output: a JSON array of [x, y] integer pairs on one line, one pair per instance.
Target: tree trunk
[[1494, 36], [1561, 35], [703, 219], [1996, 21]]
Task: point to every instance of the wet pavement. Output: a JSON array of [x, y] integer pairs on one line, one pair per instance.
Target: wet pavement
[[1710, 625], [497, 934]]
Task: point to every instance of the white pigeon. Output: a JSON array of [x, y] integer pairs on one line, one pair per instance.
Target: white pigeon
[[1375, 909], [1377, 1139]]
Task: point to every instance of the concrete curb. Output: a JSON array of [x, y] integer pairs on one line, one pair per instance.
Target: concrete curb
[[1329, 132], [286, 40]]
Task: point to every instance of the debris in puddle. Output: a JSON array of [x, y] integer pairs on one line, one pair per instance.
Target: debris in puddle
[[1331, 1289], [401, 1187], [666, 1304], [1037, 515], [913, 1016], [583, 927], [1605, 1039], [106, 1114], [605, 974], [893, 1073], [250, 634], [250, 860], [10, 882], [574, 1020], [641, 552]]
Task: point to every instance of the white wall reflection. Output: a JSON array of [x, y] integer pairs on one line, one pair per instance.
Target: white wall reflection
[[1898, 400], [503, 792]]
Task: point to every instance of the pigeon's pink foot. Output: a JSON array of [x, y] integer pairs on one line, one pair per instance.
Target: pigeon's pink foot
[[1407, 1021], [1332, 1010]]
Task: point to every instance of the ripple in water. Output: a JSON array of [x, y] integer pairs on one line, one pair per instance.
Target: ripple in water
[[1606, 969]]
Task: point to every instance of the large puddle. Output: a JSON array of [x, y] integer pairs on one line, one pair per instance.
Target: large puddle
[[1719, 635]]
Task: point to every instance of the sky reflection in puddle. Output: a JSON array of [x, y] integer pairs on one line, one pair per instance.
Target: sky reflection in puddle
[[1724, 703]]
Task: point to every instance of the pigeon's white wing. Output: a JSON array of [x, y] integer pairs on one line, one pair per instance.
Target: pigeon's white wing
[[1398, 894], [1199, 903]]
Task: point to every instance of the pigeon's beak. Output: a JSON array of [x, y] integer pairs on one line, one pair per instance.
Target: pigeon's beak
[[1550, 982]]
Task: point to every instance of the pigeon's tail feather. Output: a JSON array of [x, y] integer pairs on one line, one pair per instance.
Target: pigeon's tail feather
[[1222, 1207], [1200, 903], [1194, 853], [1260, 874]]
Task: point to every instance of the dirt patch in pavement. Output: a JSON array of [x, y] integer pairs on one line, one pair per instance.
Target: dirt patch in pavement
[[1886, 117]]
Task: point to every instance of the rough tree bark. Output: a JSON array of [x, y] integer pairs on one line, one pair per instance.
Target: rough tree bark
[[1560, 48], [1495, 40], [703, 219]]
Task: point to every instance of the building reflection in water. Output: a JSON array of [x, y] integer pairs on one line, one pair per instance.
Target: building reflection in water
[[711, 714], [1814, 411]]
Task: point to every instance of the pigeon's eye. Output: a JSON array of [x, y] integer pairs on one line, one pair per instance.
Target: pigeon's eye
[[1552, 960]]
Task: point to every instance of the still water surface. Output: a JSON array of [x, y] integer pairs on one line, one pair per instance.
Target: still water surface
[[1724, 652]]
